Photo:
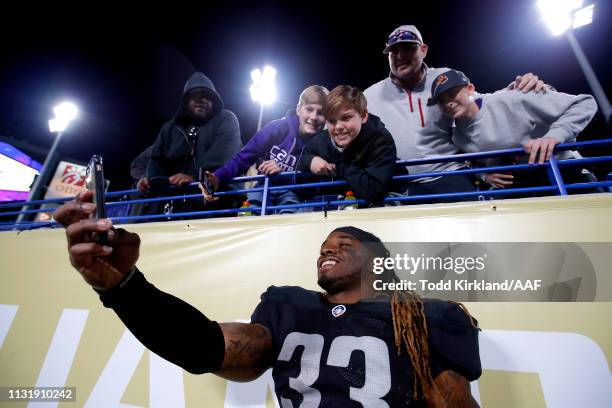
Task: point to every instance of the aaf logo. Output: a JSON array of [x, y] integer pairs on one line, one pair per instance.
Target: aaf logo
[[338, 310]]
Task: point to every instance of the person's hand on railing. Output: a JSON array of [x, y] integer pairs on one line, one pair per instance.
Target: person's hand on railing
[[212, 184], [269, 167], [528, 82], [499, 180], [102, 266], [543, 145], [180, 179], [321, 167], [143, 185]]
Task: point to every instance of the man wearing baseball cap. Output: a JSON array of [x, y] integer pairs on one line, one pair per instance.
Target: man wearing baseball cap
[[419, 130]]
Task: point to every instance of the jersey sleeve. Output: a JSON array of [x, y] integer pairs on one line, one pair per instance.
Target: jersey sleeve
[[267, 314], [453, 339]]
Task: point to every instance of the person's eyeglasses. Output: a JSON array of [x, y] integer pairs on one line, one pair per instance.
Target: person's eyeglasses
[[402, 36]]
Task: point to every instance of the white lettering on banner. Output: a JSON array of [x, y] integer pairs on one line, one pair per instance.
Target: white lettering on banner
[[562, 360], [475, 389], [7, 315], [62, 350], [166, 388], [165, 385], [573, 369], [252, 394]]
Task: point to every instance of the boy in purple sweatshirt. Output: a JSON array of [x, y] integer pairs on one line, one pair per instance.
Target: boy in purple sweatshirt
[[277, 148]]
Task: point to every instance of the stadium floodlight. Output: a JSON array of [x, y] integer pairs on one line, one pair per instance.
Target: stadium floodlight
[[65, 112], [263, 89], [583, 16], [560, 17]]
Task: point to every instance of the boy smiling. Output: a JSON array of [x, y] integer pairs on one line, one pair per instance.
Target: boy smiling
[[356, 146]]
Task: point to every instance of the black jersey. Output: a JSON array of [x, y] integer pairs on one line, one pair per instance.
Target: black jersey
[[330, 355]]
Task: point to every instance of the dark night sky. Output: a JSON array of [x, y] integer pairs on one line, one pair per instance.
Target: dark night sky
[[125, 66]]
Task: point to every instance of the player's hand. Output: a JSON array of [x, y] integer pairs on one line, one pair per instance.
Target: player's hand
[[543, 145], [102, 266], [180, 179], [321, 167], [143, 185], [269, 167], [528, 82], [499, 180]]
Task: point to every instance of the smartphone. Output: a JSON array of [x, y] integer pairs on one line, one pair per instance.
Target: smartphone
[[203, 178], [95, 182]]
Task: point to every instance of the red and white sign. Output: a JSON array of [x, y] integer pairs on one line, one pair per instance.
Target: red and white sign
[[68, 180]]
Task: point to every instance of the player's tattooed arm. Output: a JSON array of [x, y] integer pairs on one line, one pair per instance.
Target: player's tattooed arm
[[454, 392], [248, 351]]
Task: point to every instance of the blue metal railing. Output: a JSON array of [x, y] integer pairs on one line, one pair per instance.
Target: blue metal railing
[[558, 186]]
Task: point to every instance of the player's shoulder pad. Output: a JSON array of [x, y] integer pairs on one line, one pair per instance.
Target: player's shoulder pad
[[447, 315], [289, 294]]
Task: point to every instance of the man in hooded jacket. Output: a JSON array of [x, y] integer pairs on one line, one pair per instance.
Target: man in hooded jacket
[[202, 134]]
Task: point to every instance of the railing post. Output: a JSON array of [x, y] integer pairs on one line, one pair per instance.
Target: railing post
[[556, 178], [264, 198]]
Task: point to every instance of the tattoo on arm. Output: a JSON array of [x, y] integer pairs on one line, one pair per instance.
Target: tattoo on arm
[[453, 392], [248, 351]]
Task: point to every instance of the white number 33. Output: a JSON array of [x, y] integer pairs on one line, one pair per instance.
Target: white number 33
[[377, 372]]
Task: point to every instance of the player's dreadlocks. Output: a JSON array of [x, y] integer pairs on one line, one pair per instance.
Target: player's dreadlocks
[[409, 319]]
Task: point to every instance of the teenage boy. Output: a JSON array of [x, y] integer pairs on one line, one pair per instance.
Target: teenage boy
[[509, 118], [276, 148], [355, 146]]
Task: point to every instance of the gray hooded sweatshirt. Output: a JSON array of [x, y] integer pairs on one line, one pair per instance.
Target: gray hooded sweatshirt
[[510, 118], [217, 140]]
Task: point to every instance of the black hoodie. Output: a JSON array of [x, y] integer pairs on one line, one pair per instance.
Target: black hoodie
[[217, 141], [367, 164]]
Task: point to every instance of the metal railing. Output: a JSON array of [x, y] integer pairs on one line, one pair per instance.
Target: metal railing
[[557, 187]]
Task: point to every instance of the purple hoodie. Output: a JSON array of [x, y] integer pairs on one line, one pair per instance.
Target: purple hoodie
[[278, 140]]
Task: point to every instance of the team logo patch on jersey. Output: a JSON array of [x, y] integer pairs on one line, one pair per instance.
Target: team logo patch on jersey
[[338, 310]]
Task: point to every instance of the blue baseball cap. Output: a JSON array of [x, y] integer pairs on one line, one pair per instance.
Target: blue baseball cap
[[445, 81]]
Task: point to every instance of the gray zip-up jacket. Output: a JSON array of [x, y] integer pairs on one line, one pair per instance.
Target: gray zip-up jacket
[[419, 131]]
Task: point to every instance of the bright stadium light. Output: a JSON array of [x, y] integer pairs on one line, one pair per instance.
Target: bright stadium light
[[65, 112], [560, 17], [583, 16], [263, 89]]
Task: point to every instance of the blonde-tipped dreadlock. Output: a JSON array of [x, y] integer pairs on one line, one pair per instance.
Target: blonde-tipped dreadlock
[[410, 328]]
